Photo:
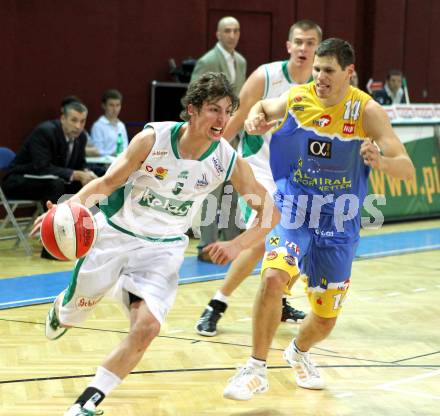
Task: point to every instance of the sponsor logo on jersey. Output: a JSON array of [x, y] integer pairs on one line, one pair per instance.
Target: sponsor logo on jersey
[[298, 108], [322, 183], [319, 301], [323, 233], [290, 260], [159, 153], [163, 204], [320, 148], [86, 303], [272, 255], [183, 175], [274, 241], [298, 98], [177, 188], [292, 246], [218, 166], [149, 168], [323, 121], [161, 173], [348, 128], [202, 183]]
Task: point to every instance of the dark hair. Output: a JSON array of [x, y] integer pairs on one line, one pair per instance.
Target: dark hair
[[75, 106], [305, 25], [111, 95], [210, 87], [339, 48], [394, 72], [68, 100]]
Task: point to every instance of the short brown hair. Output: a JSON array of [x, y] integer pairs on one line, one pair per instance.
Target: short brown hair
[[339, 48], [305, 25], [208, 88], [111, 95]]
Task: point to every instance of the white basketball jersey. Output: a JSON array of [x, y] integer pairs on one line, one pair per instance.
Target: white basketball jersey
[[256, 148], [159, 200], [277, 79]]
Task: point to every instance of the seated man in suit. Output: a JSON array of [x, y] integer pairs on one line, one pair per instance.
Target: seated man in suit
[[392, 92], [51, 161]]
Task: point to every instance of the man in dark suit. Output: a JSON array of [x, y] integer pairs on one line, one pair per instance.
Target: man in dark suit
[[51, 161], [392, 92], [222, 58]]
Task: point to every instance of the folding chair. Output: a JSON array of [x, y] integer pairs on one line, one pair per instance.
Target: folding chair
[[10, 205]]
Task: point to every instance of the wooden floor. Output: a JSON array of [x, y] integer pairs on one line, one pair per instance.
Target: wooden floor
[[383, 357]]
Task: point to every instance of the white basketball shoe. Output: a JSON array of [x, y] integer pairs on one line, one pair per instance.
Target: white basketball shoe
[[246, 382], [53, 330], [307, 375]]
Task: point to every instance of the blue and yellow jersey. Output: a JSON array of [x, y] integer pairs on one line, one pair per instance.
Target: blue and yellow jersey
[[315, 150]]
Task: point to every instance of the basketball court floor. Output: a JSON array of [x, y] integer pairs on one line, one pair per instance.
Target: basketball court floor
[[383, 358]]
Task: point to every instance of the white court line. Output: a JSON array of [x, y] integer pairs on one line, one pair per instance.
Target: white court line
[[244, 319], [420, 289], [413, 393], [393, 294], [390, 386]]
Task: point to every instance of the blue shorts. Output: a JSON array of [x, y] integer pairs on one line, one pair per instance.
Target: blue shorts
[[323, 254]]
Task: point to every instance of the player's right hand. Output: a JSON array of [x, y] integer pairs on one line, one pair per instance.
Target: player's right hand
[[37, 223], [258, 124]]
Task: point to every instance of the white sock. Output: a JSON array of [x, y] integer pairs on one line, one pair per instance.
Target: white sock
[[221, 297], [295, 347], [105, 380], [254, 362]]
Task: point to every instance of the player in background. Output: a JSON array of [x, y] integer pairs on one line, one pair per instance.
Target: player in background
[[268, 81]]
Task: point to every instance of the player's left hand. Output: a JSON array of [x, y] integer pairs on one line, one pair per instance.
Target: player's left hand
[[370, 152], [37, 223], [222, 252]]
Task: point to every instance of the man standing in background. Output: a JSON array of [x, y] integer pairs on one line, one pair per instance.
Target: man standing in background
[[223, 58], [268, 81]]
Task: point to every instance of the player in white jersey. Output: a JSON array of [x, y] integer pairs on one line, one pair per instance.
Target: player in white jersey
[[147, 199], [268, 81]]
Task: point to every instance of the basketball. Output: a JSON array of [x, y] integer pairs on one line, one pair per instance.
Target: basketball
[[68, 231]]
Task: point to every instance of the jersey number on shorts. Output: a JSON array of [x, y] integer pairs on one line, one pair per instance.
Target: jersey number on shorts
[[339, 300]]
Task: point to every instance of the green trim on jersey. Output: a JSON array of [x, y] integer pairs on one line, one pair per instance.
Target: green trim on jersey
[[286, 74], [68, 295], [251, 144], [115, 201], [143, 237], [174, 137], [246, 210], [286, 71], [228, 172]]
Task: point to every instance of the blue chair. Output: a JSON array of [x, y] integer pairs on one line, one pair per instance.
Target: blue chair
[[20, 230]]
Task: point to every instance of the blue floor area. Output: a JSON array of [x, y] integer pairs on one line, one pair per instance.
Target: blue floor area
[[42, 288]]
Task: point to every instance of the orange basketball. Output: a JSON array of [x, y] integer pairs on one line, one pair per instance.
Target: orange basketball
[[68, 231]]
